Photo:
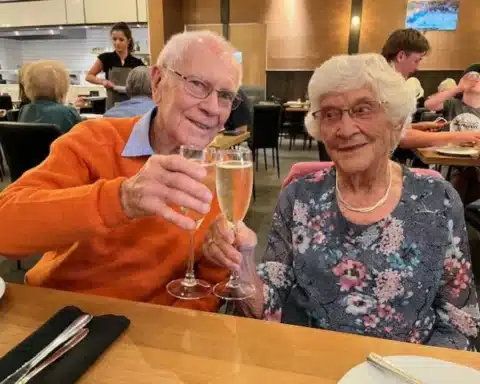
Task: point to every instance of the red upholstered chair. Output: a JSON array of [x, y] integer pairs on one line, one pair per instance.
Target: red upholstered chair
[[301, 169]]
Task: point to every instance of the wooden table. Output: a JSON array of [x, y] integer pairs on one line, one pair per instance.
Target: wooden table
[[431, 157], [222, 141], [174, 346]]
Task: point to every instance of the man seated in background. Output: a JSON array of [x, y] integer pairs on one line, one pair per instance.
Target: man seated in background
[[405, 50], [46, 84], [104, 205], [241, 118], [464, 116], [139, 90]]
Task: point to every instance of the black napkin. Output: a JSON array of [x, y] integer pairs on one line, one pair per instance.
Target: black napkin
[[103, 331]]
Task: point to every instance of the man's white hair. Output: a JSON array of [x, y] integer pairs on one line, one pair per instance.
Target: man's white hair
[[347, 73], [174, 50]]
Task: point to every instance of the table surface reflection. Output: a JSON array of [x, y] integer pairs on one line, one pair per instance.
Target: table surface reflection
[[170, 345]]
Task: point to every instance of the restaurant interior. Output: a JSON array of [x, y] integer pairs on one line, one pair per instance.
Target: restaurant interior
[[168, 335]]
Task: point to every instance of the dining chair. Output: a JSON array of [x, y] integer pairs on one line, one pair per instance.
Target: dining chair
[[25, 145], [304, 168], [265, 132], [6, 102]]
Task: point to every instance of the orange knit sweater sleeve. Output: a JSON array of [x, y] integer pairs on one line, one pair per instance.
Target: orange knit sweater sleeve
[[56, 203]]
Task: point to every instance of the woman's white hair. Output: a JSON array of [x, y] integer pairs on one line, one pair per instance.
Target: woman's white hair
[[416, 87], [347, 73], [174, 50]]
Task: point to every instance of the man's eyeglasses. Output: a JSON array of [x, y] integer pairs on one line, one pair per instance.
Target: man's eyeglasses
[[201, 90], [363, 110]]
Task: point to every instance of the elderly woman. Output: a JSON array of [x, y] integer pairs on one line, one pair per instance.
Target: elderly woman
[[46, 84], [139, 90], [367, 246]]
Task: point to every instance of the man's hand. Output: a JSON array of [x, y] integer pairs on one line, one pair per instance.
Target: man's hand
[[164, 181]]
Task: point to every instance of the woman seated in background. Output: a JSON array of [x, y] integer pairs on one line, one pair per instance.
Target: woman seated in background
[[46, 85], [139, 90], [367, 246], [24, 100]]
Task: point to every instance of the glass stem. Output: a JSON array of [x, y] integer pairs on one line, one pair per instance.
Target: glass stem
[[234, 276], [190, 280]]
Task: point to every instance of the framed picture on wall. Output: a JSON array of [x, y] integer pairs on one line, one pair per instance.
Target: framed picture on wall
[[439, 15]]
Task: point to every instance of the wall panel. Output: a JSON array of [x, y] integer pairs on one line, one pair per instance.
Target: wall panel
[[302, 34], [201, 11], [250, 39], [451, 50]]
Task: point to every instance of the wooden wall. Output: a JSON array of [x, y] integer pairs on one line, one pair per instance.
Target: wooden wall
[[201, 11], [451, 50], [250, 40]]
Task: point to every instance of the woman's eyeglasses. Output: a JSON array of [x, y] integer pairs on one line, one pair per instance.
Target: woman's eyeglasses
[[363, 110], [202, 89]]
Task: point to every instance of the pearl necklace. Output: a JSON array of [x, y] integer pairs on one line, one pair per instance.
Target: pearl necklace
[[379, 203]]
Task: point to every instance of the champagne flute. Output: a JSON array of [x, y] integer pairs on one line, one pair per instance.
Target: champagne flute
[[191, 288], [234, 191]]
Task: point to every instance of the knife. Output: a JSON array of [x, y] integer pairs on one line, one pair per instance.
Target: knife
[[75, 327]]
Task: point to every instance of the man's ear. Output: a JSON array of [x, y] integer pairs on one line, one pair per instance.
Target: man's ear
[[157, 76], [401, 56]]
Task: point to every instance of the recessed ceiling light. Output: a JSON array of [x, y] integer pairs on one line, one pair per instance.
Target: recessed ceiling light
[[17, 33], [52, 32], [60, 27], [86, 27]]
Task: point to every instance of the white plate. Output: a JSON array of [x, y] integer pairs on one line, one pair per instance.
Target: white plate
[[3, 286], [426, 369], [457, 151]]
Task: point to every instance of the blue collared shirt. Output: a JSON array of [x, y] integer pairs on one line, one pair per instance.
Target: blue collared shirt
[[138, 143], [136, 106]]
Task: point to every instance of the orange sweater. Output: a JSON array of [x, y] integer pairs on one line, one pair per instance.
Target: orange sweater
[[69, 207]]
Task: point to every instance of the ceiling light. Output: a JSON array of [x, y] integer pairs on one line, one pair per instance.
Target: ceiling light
[[17, 33], [60, 27], [52, 32], [355, 21]]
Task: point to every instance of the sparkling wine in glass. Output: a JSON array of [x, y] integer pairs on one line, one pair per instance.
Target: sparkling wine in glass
[[191, 288], [234, 191]]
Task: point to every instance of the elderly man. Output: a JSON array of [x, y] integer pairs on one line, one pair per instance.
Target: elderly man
[[104, 204], [405, 50], [139, 90]]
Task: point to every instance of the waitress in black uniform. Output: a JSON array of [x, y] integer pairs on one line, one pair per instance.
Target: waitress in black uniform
[[122, 40]]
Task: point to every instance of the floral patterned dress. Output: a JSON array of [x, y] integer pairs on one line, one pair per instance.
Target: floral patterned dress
[[407, 277]]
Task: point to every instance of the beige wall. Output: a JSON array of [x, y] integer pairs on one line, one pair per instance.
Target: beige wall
[[452, 50], [301, 34]]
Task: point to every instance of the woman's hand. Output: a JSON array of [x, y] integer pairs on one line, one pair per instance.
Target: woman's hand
[[108, 84], [223, 247]]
